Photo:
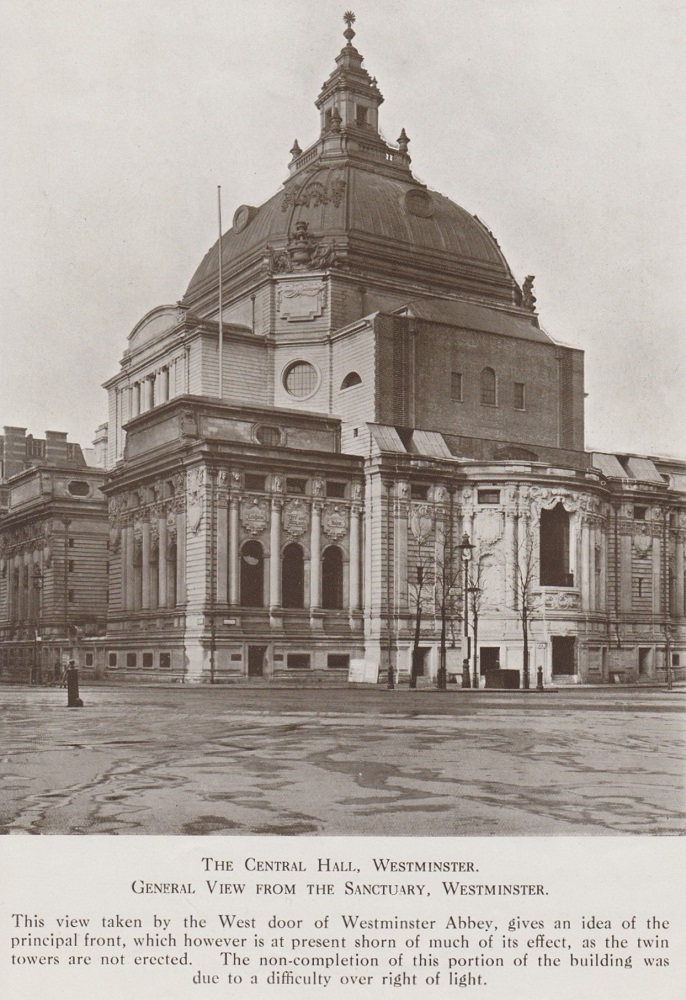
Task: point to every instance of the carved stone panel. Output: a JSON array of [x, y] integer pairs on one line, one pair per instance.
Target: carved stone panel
[[421, 521], [334, 521], [301, 300], [195, 481], [643, 543], [254, 515], [295, 517]]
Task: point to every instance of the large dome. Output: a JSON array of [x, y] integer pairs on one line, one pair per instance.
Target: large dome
[[360, 209], [356, 193]]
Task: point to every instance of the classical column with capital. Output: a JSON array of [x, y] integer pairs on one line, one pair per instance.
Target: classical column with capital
[[162, 561], [315, 556], [354, 584], [234, 576], [275, 553], [145, 565], [221, 500]]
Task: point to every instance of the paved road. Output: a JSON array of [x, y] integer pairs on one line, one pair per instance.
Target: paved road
[[339, 762]]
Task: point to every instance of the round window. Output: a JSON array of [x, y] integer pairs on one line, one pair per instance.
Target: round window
[[300, 379]]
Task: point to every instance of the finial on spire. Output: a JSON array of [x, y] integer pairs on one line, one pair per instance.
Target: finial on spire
[[403, 140], [295, 149], [349, 19]]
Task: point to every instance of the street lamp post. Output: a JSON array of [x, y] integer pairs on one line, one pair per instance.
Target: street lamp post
[[475, 591], [465, 548]]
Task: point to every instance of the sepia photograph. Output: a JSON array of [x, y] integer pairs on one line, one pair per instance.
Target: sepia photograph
[[349, 523], [342, 499]]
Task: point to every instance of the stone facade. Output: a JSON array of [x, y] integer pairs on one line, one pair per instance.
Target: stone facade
[[291, 480]]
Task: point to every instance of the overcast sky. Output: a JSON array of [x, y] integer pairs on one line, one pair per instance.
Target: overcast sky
[[558, 122]]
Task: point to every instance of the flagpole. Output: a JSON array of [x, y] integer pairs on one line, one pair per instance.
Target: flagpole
[[221, 319]]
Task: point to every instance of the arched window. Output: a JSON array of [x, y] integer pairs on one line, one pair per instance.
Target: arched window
[[293, 577], [252, 575], [488, 387], [351, 379], [332, 578], [171, 576], [554, 548]]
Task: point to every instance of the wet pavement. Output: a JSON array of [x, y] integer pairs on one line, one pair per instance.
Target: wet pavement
[[144, 760]]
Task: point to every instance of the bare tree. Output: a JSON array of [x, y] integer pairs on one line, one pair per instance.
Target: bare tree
[[446, 595], [475, 596], [527, 595]]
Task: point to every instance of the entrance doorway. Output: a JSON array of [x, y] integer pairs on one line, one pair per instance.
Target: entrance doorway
[[564, 654], [489, 659], [644, 660], [256, 658]]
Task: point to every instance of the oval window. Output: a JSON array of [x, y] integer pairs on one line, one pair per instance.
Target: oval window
[[78, 488], [268, 435]]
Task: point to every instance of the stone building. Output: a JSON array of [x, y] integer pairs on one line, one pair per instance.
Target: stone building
[[297, 451], [53, 556]]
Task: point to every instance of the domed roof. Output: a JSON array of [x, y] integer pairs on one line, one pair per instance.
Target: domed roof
[[348, 205], [356, 193]]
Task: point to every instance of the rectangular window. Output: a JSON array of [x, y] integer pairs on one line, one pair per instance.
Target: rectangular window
[[236, 657], [148, 660], [295, 485], [640, 513], [254, 482], [298, 661], [70, 543], [131, 660], [165, 661], [89, 659], [420, 574], [72, 596], [488, 496], [519, 396], [70, 565], [336, 490], [112, 660], [278, 657], [675, 659], [338, 661], [456, 386], [361, 114], [419, 492]]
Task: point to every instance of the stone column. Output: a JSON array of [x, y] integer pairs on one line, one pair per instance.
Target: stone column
[[222, 542], [135, 404], [129, 571], [657, 576], [510, 558], [234, 575], [354, 584], [181, 557], [573, 550], [145, 565], [148, 393], [163, 385], [316, 556], [678, 608], [585, 566], [400, 546], [593, 573], [162, 596], [275, 554]]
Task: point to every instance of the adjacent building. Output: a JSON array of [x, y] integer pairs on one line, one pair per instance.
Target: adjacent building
[[53, 556]]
